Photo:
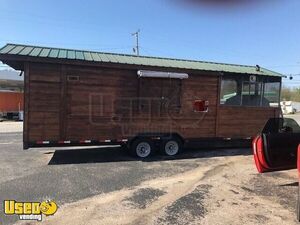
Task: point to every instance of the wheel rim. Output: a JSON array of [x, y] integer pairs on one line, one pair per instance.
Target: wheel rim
[[171, 148], [143, 149]]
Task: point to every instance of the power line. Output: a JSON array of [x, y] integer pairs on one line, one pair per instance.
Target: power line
[[297, 74]]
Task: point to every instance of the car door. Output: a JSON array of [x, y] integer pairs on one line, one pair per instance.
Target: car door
[[276, 147]]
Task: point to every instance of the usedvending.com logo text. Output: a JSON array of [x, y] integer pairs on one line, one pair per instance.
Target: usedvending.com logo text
[[29, 210]]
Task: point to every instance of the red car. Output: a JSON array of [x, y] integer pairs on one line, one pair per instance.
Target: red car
[[276, 148]]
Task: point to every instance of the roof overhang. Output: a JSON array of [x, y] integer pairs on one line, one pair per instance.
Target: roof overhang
[[17, 55]]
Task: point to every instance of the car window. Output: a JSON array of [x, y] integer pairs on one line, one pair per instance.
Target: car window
[[281, 125]]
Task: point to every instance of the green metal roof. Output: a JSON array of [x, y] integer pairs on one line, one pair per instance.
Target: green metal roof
[[101, 57]]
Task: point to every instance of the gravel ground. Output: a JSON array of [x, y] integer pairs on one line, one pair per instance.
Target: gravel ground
[[106, 186]]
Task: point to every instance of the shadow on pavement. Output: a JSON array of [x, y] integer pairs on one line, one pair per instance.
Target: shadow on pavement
[[294, 184], [118, 154]]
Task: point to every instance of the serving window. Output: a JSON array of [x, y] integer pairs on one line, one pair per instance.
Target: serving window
[[246, 90], [160, 91], [272, 92], [159, 95], [229, 92]]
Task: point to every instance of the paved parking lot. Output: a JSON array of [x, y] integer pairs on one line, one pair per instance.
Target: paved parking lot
[[106, 186], [11, 127]]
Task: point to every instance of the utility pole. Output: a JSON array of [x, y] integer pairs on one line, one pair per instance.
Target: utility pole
[[137, 47]]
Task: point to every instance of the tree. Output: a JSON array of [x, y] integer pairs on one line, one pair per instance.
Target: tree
[[290, 94]]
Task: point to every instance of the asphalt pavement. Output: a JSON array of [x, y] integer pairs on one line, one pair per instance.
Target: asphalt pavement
[[201, 186], [68, 175]]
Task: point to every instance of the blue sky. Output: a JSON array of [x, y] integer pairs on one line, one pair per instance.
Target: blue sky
[[267, 34]]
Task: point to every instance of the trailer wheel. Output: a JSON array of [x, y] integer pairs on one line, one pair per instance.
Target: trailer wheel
[[142, 147], [171, 146]]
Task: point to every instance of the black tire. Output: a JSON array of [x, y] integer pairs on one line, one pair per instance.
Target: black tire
[[142, 148], [124, 147], [171, 146]]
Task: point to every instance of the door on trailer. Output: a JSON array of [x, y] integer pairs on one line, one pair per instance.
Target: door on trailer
[[276, 148]]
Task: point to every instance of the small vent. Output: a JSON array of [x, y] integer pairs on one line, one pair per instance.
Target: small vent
[[73, 78], [252, 79]]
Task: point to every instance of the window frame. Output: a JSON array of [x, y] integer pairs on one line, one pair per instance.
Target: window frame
[[279, 90], [241, 79]]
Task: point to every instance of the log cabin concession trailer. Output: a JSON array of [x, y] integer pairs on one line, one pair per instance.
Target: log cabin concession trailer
[[75, 97]]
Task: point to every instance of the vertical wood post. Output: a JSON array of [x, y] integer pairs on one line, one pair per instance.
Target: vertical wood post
[[63, 103], [26, 105]]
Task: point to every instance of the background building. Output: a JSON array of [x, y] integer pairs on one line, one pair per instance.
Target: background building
[[11, 94]]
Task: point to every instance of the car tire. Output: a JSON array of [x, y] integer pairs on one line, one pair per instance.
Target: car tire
[[142, 148], [171, 146]]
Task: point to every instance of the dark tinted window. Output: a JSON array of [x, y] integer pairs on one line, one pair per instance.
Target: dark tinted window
[[250, 90], [281, 125]]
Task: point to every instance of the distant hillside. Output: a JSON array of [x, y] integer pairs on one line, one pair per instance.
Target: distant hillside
[[10, 75]]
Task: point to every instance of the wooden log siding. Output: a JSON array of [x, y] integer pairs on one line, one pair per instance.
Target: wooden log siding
[[43, 102], [118, 91], [104, 103], [240, 122]]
